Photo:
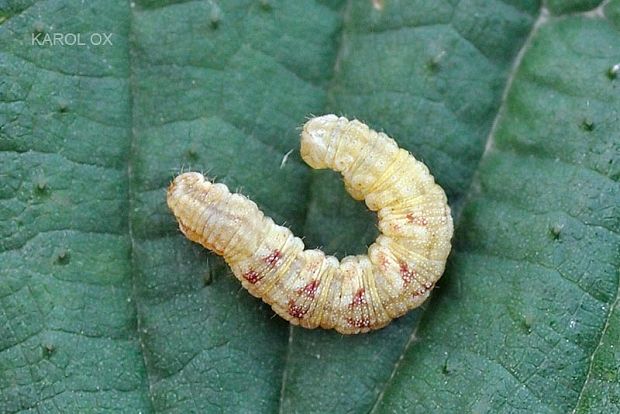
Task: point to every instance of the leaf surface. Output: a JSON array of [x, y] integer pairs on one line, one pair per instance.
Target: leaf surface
[[105, 306]]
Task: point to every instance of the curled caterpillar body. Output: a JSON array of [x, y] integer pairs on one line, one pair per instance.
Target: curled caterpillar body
[[306, 287]]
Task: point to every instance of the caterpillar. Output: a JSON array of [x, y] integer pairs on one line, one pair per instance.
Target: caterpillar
[[307, 287]]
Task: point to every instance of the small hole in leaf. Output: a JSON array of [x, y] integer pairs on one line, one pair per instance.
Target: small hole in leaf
[[40, 185], [612, 72], [38, 28], [434, 64], [555, 230], [215, 17], [63, 257], [265, 5], [48, 350], [587, 125], [63, 106], [192, 154], [444, 368], [527, 322]]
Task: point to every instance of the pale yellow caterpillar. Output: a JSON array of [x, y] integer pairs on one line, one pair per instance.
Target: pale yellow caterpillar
[[306, 287]]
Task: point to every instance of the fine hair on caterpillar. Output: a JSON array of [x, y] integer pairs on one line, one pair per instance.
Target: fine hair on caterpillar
[[306, 287]]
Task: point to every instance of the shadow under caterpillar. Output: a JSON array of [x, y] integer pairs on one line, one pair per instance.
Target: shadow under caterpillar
[[306, 287]]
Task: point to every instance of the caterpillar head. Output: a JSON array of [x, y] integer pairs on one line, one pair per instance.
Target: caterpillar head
[[184, 184], [317, 140]]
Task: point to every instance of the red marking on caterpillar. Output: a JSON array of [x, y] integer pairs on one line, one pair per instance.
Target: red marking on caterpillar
[[252, 276], [359, 322], [273, 259], [388, 178], [359, 298], [296, 311], [310, 289], [420, 221], [383, 261], [408, 275]]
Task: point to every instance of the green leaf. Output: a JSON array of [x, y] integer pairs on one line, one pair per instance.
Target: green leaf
[[105, 306]]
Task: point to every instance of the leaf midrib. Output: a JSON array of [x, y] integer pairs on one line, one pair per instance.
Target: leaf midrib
[[131, 193]]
